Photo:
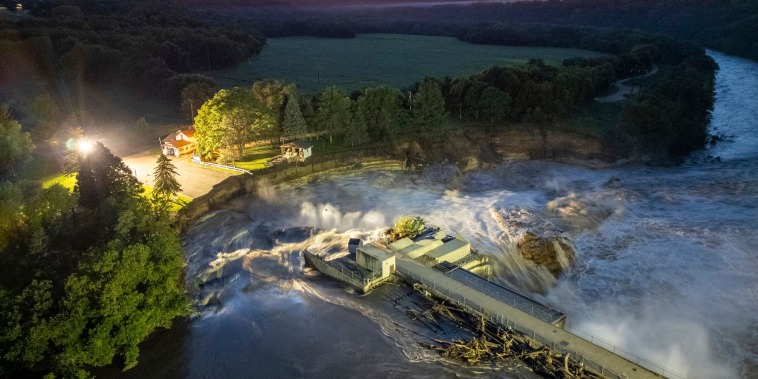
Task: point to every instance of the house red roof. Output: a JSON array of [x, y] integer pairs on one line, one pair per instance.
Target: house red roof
[[187, 132], [178, 143]]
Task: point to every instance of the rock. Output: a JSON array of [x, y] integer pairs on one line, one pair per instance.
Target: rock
[[553, 252], [470, 163], [537, 239], [383, 180], [581, 213]]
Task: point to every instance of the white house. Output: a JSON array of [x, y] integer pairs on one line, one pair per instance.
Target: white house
[[179, 143]]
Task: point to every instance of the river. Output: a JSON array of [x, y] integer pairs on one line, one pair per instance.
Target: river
[[669, 272]]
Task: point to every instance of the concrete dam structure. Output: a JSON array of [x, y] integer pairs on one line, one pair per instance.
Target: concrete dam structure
[[441, 264]]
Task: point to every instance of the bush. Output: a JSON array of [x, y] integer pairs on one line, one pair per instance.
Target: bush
[[408, 226]]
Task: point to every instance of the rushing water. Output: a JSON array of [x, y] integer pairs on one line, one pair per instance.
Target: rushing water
[[668, 271]]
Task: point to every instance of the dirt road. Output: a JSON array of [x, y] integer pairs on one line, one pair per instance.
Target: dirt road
[[623, 90]]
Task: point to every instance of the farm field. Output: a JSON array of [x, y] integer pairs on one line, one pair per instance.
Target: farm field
[[371, 59]]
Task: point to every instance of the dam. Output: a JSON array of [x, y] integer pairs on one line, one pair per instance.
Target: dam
[[440, 264]]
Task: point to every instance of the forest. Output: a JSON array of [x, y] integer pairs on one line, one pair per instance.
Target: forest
[[87, 274], [145, 46]]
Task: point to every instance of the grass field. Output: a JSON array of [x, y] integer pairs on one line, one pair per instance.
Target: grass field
[[69, 181], [370, 59], [256, 157]]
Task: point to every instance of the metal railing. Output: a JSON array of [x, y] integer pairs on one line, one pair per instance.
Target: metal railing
[[514, 299], [225, 167], [552, 342]]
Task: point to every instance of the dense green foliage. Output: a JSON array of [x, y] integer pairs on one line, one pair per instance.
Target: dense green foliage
[[103, 176], [428, 108], [670, 116], [293, 125], [229, 120], [333, 115], [381, 108], [140, 44], [534, 93], [15, 145], [408, 226], [84, 280]]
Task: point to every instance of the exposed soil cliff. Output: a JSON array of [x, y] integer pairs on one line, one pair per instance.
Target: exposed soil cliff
[[476, 147], [469, 148]]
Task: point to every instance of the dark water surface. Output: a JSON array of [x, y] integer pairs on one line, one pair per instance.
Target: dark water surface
[[671, 274]]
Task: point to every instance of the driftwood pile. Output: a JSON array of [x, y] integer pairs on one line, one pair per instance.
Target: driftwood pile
[[491, 343]]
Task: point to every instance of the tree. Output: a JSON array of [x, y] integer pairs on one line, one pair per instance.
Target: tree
[[231, 118], [408, 226], [333, 115], [272, 95], [166, 185], [494, 104], [294, 126], [381, 109], [15, 145], [194, 95], [357, 131], [103, 175], [117, 293], [428, 108]]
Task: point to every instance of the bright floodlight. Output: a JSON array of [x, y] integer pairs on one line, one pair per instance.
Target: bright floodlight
[[84, 146]]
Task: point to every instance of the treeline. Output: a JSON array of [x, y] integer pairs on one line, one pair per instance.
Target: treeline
[[534, 93], [717, 24], [139, 44], [670, 116], [273, 110], [87, 274], [310, 28]]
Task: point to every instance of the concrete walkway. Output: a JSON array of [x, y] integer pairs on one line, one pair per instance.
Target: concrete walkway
[[595, 357]]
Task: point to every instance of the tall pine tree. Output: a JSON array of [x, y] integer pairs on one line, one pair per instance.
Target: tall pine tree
[[166, 185], [333, 114], [294, 125]]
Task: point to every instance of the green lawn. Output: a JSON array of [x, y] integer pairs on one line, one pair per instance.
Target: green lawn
[[66, 180], [256, 157], [69, 181], [370, 59]]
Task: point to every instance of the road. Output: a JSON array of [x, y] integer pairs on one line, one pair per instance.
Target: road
[[622, 89], [196, 180]]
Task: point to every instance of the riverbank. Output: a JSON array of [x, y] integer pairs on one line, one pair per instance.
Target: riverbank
[[470, 148]]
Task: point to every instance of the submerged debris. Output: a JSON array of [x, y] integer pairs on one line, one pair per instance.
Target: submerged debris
[[490, 342]]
